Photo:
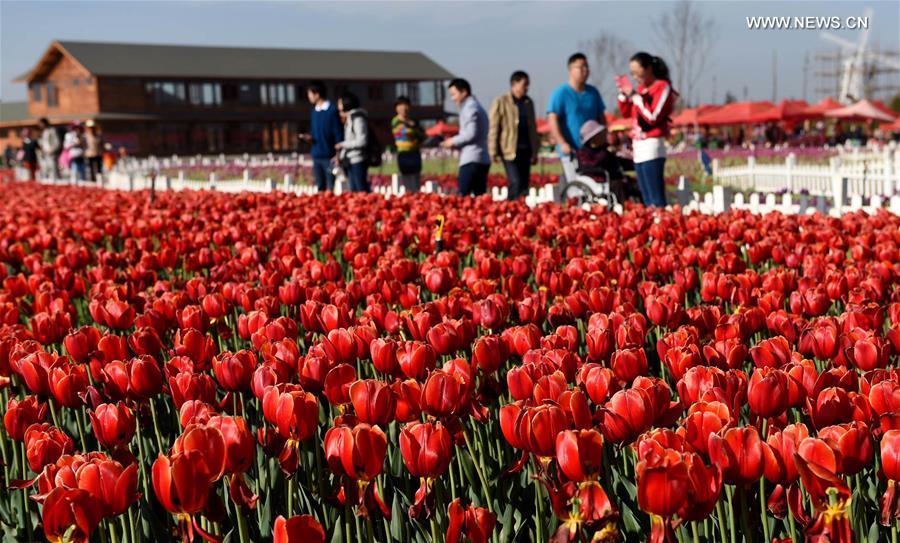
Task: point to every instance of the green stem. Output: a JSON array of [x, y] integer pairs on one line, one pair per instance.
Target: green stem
[[159, 442], [478, 468], [745, 516], [695, 532], [289, 490], [79, 420], [370, 532], [720, 513], [791, 527], [242, 524], [730, 492], [763, 518], [539, 519], [25, 504]]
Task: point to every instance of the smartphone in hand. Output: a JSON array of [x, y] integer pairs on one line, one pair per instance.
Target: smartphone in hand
[[624, 84]]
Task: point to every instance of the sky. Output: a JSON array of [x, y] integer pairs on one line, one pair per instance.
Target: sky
[[483, 42]]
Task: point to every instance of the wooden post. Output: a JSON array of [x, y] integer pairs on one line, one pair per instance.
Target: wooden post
[[789, 163], [839, 194]]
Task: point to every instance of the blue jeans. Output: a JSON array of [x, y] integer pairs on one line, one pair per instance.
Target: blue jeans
[[517, 173], [78, 167], [323, 174], [357, 174], [651, 181], [473, 179]]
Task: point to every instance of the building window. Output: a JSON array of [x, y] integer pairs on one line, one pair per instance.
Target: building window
[[52, 95], [376, 92], [88, 80], [76, 82], [167, 92], [196, 94], [291, 97], [248, 94], [36, 92], [212, 94]]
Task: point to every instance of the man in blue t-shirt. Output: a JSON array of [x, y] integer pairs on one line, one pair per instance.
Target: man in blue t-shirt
[[325, 131], [571, 105]]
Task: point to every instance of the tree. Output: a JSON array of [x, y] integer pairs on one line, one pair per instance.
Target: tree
[[688, 39], [730, 98], [608, 55]]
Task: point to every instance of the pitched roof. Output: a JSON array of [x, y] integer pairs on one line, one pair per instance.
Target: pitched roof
[[13, 111], [132, 59]]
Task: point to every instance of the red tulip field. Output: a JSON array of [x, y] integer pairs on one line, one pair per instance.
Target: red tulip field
[[262, 367]]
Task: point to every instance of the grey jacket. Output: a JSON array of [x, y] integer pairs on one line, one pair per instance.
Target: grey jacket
[[49, 141], [472, 139], [356, 131]]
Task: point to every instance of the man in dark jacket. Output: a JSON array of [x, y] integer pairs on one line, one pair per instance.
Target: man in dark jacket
[[325, 131]]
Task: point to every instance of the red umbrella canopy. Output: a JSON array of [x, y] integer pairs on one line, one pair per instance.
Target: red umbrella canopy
[[792, 109], [689, 116], [738, 113], [864, 110], [819, 109], [884, 107], [891, 127], [443, 129]]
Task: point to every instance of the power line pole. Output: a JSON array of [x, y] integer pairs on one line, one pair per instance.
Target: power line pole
[[805, 72], [774, 75], [713, 101]]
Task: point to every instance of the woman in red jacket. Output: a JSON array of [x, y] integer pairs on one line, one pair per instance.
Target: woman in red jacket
[[649, 106]]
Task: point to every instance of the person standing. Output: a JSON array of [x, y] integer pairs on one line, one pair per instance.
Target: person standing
[[512, 135], [649, 106], [571, 105], [356, 138], [73, 144], [408, 138], [50, 149], [325, 131], [93, 146], [29, 153], [474, 161]]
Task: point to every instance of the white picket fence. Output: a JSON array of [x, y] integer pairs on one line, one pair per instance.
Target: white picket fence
[[866, 173]]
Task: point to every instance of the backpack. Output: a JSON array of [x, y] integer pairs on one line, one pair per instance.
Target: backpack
[[373, 149]]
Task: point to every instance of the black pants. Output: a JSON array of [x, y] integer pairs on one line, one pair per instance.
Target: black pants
[[473, 179], [95, 166], [518, 172]]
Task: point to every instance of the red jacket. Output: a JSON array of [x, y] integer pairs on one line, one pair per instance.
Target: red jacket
[[650, 108]]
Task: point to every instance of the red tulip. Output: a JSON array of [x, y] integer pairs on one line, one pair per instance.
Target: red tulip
[[298, 529], [416, 359], [740, 453], [373, 401], [240, 449], [771, 353], [20, 414], [181, 482], [234, 370], [768, 392], [426, 449], [579, 454], [475, 524], [626, 415], [45, 444], [71, 515], [112, 485], [113, 424]]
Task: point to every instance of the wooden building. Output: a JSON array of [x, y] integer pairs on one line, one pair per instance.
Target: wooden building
[[165, 99]]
